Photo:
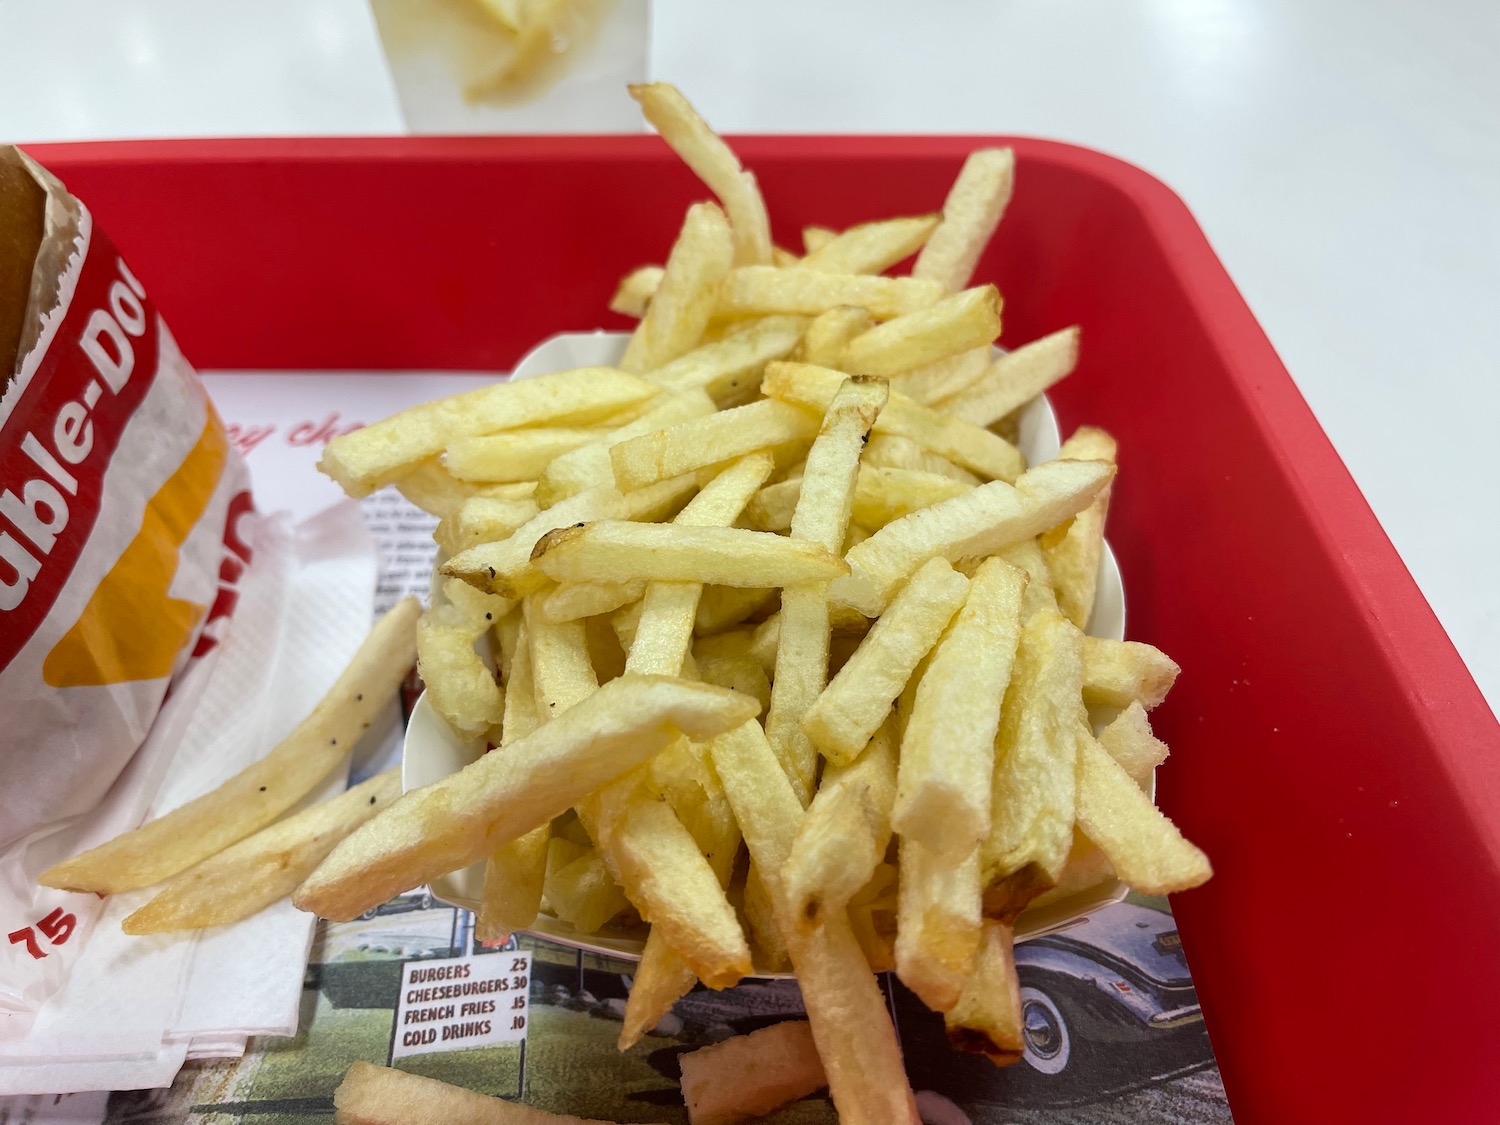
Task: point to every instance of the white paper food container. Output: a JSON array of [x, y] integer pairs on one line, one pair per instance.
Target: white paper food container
[[432, 751]]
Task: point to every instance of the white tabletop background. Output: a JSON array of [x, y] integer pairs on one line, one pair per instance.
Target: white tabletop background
[[1343, 156]]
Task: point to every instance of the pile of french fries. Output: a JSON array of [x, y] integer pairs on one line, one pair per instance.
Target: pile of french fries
[[790, 639]]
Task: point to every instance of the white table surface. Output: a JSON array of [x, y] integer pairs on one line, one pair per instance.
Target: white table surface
[[1343, 156]]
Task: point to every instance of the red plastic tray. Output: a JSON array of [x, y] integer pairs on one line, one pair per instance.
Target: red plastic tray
[[1332, 753]]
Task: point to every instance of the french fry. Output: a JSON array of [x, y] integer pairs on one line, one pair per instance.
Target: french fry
[[829, 334], [943, 378], [948, 749], [1146, 849], [1129, 741], [685, 298], [749, 1076], [562, 672], [771, 508], [664, 633], [725, 556], [661, 979], [710, 440], [844, 835], [982, 521], [969, 446], [970, 215], [882, 495], [892, 451], [662, 500], [452, 822], [1015, 379], [858, 699], [938, 923], [574, 601], [379, 1095], [462, 688], [1075, 549], [987, 1018], [514, 456], [431, 487], [872, 247], [741, 671], [959, 323], [713, 162], [765, 935], [635, 291], [1033, 794], [505, 567], [799, 291], [821, 517], [1119, 673], [261, 869], [814, 238], [364, 460], [482, 520], [583, 893], [261, 792], [589, 466], [730, 369]]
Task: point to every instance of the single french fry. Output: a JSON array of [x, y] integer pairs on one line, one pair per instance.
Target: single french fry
[[982, 521], [248, 876], [749, 1076], [583, 893], [970, 215], [969, 446], [766, 942], [661, 979], [829, 334], [858, 699], [482, 520], [1119, 673], [685, 298], [1015, 378], [589, 466], [516, 455], [713, 162], [635, 291], [730, 369], [1146, 849], [1075, 549], [505, 567], [948, 750], [893, 451], [941, 379], [709, 440], [664, 632], [574, 601], [462, 688], [872, 247], [799, 291], [1034, 787], [814, 238], [959, 323], [431, 487], [364, 460], [726, 556], [844, 835], [378, 1095], [261, 792], [1129, 741], [723, 607], [938, 923], [771, 508], [821, 517], [450, 823], [987, 1018]]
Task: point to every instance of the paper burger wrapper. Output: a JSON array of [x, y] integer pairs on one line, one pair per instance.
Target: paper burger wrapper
[[125, 529]]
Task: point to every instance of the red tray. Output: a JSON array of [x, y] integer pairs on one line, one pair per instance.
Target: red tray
[[1332, 753]]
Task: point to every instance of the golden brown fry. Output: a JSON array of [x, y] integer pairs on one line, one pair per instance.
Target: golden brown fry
[[1146, 849], [856, 702], [970, 215], [364, 460], [1015, 379], [982, 521], [700, 442], [713, 162], [872, 247], [261, 792], [987, 1018], [446, 825], [1119, 673], [937, 924], [246, 877], [685, 298], [959, 323]]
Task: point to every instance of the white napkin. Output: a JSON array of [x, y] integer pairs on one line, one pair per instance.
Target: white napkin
[[135, 1008]]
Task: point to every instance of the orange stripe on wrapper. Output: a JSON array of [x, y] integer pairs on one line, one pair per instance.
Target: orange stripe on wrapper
[[132, 629]]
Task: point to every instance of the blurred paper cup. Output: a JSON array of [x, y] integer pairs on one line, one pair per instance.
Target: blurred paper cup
[[516, 66]]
